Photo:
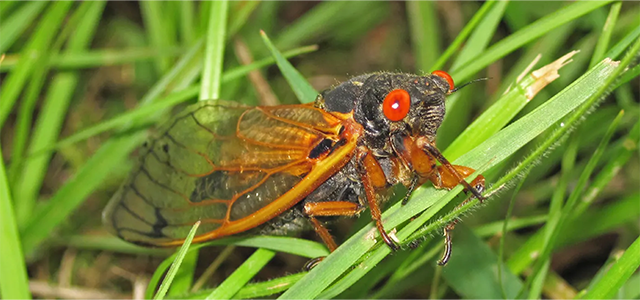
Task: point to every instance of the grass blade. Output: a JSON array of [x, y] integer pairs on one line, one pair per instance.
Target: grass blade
[[611, 282], [37, 45], [242, 274], [423, 22], [14, 283], [214, 52], [301, 87], [164, 287], [526, 35], [605, 36], [14, 25], [53, 113]]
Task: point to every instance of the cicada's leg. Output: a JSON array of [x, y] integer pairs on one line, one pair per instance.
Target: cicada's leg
[[447, 242], [448, 175], [443, 178], [327, 209], [372, 176]]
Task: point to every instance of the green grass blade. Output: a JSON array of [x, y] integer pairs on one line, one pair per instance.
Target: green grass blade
[[97, 58], [301, 87], [241, 16], [526, 35], [53, 114], [561, 214], [495, 228], [505, 109], [619, 48], [7, 7], [605, 36], [631, 289], [187, 25], [259, 289], [267, 288], [462, 36], [423, 22], [620, 157], [161, 35], [610, 283], [214, 52], [37, 45], [481, 35], [14, 283], [323, 17], [242, 274], [14, 25], [290, 245], [164, 287]]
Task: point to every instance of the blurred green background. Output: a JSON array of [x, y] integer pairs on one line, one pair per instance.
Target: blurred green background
[[73, 73]]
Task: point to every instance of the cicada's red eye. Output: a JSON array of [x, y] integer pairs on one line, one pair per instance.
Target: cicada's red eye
[[446, 77], [396, 105]]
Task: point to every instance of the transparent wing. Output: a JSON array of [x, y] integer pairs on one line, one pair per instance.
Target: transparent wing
[[232, 167]]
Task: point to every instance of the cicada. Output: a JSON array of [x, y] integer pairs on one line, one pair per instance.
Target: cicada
[[280, 169]]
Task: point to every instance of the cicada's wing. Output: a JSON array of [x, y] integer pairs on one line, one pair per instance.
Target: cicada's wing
[[231, 167]]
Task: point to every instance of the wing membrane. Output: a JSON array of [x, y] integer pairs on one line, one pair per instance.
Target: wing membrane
[[232, 167]]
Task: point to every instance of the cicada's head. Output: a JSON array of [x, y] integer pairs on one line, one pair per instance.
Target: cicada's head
[[393, 102]]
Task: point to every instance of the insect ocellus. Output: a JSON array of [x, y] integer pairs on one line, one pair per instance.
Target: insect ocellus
[[278, 169]]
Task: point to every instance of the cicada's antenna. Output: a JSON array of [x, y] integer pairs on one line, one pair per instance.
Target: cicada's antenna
[[468, 83]]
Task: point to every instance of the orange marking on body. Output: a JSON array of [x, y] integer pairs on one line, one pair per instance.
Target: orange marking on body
[[422, 163]]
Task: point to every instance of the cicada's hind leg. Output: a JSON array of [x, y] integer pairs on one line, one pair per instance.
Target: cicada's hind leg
[[327, 209]]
